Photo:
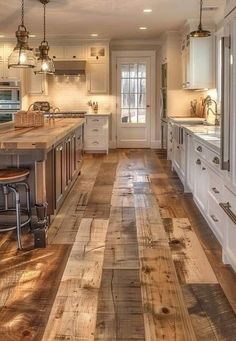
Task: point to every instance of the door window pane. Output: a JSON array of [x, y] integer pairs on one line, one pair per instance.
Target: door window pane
[[133, 93]]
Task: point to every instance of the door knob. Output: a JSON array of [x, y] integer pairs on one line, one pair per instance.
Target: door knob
[[148, 106]]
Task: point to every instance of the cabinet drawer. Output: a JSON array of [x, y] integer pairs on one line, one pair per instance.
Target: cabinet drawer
[[96, 142], [213, 159], [215, 217], [96, 122], [216, 188], [92, 131]]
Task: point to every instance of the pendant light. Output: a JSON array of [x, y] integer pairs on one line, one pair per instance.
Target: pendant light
[[200, 33], [22, 56], [44, 63]]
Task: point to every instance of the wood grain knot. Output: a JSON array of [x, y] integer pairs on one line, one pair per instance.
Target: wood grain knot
[[165, 310]]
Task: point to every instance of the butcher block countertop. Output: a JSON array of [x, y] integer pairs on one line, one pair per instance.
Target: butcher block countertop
[[37, 138]]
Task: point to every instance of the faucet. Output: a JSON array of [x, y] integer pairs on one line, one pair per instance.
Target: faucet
[[208, 102]]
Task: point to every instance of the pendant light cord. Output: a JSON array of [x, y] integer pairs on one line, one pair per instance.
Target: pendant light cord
[[201, 4], [22, 13], [44, 22]]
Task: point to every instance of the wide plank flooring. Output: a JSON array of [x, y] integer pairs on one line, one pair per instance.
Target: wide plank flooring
[[129, 258]]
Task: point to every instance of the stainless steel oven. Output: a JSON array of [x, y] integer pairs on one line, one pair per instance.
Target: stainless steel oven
[[9, 100]]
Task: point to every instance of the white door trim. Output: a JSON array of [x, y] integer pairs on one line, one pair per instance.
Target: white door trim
[[133, 54]]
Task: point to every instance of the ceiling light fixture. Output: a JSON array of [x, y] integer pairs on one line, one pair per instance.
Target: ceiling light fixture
[[44, 63], [142, 28], [22, 56], [200, 33], [94, 35], [147, 10]]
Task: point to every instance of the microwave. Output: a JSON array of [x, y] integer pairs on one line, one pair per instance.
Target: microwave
[[9, 92]]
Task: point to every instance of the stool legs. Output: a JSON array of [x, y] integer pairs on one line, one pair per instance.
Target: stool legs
[[18, 216]]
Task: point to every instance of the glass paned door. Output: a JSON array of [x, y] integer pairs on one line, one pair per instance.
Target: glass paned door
[[133, 93], [133, 97]]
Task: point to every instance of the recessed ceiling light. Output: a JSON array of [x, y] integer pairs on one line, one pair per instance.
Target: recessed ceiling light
[[143, 28], [94, 35], [32, 35], [147, 10]]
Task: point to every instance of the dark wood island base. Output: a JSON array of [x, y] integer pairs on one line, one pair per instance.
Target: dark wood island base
[[52, 153]]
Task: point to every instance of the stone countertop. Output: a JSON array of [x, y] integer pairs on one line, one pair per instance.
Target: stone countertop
[[37, 138], [178, 119], [210, 135], [98, 114]]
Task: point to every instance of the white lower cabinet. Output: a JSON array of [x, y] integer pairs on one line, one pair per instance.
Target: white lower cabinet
[[201, 183], [96, 134], [229, 224], [211, 192]]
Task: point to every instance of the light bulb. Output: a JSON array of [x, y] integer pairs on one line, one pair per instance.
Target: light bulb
[[44, 66], [22, 58]]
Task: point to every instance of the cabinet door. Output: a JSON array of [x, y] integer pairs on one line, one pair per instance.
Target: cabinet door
[[12, 73], [190, 163], [79, 148], [75, 52], [68, 150], [59, 171], [201, 183], [186, 68], [97, 78], [36, 84], [57, 52]]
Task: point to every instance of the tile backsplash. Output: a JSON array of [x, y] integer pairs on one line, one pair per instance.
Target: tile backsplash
[[70, 93]]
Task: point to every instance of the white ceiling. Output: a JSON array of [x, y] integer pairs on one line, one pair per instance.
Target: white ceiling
[[114, 19]]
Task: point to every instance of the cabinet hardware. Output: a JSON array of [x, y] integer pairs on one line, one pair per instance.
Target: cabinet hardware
[[198, 162], [95, 120], [199, 149], [227, 209], [203, 168], [216, 160], [214, 218], [95, 142], [177, 147], [95, 129], [74, 57], [215, 190]]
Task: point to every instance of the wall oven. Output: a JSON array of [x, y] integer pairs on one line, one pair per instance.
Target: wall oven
[[9, 100]]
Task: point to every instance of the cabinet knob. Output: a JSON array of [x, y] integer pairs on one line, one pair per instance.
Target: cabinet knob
[[203, 168], [215, 190], [214, 218], [198, 162], [199, 149], [216, 160]]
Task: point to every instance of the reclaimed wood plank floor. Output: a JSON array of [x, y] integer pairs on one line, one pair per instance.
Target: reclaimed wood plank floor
[[129, 258]]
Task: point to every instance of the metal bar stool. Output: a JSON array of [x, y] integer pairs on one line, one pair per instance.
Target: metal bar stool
[[10, 180]]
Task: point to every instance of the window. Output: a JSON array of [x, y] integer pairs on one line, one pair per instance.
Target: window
[[133, 93]]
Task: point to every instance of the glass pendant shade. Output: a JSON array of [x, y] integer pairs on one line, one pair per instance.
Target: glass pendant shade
[[200, 33], [22, 56], [44, 63]]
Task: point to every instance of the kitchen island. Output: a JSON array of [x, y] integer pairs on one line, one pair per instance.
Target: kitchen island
[[53, 153]]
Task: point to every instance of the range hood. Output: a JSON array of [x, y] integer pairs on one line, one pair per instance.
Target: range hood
[[70, 67]]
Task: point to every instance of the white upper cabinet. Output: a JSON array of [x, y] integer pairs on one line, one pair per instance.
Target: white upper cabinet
[[97, 78], [198, 63], [36, 84], [5, 73], [68, 52], [56, 52], [75, 52]]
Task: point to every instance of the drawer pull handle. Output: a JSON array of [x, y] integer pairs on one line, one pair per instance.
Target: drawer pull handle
[[95, 142], [214, 219], [203, 168], [198, 162], [96, 120], [199, 149], [177, 147], [227, 209], [216, 160], [95, 129], [215, 190]]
